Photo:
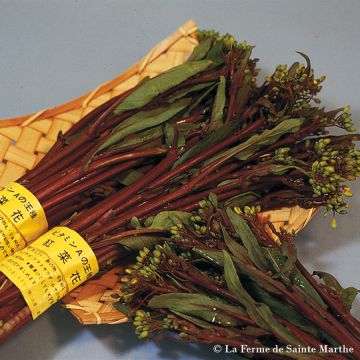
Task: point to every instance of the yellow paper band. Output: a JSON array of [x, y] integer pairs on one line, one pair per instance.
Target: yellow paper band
[[49, 268], [22, 219]]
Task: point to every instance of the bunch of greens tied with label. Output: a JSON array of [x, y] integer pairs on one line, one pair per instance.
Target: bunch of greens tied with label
[[202, 127], [219, 278]]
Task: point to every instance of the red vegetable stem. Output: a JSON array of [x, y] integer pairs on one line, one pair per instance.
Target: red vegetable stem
[[78, 126], [122, 195], [351, 322]]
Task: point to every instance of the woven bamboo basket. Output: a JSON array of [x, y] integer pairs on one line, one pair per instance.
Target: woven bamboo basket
[[25, 140]]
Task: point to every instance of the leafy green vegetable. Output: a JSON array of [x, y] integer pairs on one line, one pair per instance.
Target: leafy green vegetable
[[248, 238], [144, 120], [200, 52], [268, 137], [138, 242], [200, 306], [209, 141], [145, 136], [156, 86], [347, 295], [169, 136], [166, 219], [189, 90], [219, 105]]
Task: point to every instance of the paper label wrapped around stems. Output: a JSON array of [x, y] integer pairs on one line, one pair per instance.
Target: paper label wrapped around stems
[[49, 268], [22, 219]]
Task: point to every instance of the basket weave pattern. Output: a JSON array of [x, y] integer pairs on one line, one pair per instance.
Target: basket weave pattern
[[25, 140]]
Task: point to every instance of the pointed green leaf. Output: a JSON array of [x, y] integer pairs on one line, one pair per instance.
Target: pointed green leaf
[[283, 310], [268, 137], [169, 136], [156, 86], [219, 105], [144, 120], [216, 53], [213, 200], [146, 136], [214, 256], [189, 90], [198, 100], [242, 199], [277, 260], [211, 140], [130, 177], [135, 223], [200, 306], [124, 309], [166, 219], [248, 238], [235, 248], [201, 323], [330, 281], [348, 296], [138, 242], [201, 50]]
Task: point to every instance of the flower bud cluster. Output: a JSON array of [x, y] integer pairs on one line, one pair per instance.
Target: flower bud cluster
[[336, 164], [142, 322]]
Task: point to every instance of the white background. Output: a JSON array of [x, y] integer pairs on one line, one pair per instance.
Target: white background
[[52, 51]]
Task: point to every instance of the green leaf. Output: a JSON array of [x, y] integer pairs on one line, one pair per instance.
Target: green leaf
[[198, 305], [348, 296], [166, 219], [124, 309], [289, 250], [145, 136], [259, 312], [277, 260], [330, 281], [217, 257], [243, 94], [213, 200], [197, 101], [242, 199], [138, 242], [201, 50], [219, 105], [208, 142], [201, 323], [237, 250], [216, 53], [189, 90], [268, 137], [248, 238], [144, 120], [169, 136], [214, 256], [156, 86], [130, 177], [283, 310], [135, 223]]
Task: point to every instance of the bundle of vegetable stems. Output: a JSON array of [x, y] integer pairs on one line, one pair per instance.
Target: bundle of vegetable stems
[[203, 127], [221, 279]]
